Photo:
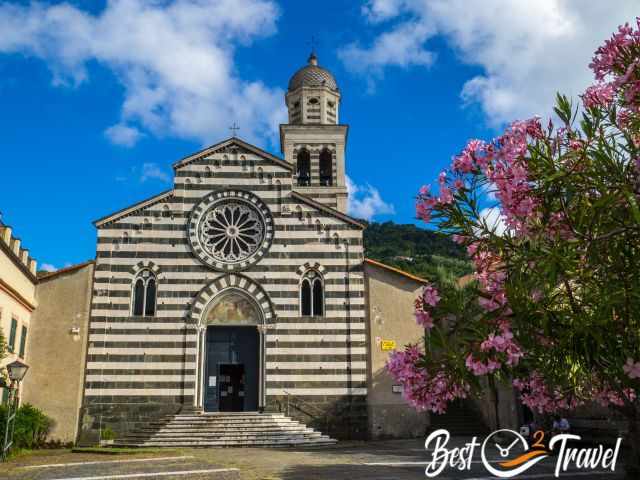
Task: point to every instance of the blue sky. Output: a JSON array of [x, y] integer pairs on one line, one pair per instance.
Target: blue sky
[[99, 98]]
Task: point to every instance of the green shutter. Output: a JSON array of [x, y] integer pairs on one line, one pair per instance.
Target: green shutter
[[5, 396], [23, 341], [12, 335]]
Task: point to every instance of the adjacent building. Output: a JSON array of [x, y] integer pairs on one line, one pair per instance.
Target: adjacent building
[[17, 297], [57, 347]]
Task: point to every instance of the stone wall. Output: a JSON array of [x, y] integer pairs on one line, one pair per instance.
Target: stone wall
[[390, 297], [124, 415], [57, 347], [341, 417]]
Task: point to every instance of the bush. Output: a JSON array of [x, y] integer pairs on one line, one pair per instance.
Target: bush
[[31, 428], [107, 434]]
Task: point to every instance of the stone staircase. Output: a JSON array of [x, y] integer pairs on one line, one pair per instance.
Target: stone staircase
[[243, 429]]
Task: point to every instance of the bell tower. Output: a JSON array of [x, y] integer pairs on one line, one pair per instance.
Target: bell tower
[[313, 140]]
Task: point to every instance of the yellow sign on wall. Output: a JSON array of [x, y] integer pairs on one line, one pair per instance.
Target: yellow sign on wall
[[388, 345]]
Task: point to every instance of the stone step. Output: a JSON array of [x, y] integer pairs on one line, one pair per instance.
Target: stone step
[[232, 439], [224, 424], [187, 431], [224, 430], [218, 426], [226, 415], [309, 433], [254, 443], [224, 420]]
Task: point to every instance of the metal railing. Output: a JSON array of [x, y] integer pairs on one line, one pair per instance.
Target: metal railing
[[292, 401]]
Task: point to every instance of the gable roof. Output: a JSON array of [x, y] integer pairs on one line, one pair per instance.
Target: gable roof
[[72, 268], [132, 208], [384, 266], [331, 211], [232, 141]]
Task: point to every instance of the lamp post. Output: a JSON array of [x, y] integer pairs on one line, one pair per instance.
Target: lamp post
[[17, 370]]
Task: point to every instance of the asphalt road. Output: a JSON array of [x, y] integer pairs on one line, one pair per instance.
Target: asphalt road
[[391, 460]]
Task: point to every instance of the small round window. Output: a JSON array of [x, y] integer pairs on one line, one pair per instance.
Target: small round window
[[313, 101]]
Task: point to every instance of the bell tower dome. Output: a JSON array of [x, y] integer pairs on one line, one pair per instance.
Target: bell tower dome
[[313, 140], [313, 96]]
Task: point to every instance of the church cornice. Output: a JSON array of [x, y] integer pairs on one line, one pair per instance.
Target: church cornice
[[228, 143], [327, 209], [341, 129], [132, 208]]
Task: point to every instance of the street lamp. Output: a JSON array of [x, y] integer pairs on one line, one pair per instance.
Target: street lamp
[[17, 370]]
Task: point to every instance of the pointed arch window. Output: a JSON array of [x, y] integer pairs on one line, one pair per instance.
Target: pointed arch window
[[312, 295], [326, 168], [144, 294], [303, 168]]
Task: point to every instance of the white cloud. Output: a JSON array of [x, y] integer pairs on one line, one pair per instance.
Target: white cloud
[[399, 47], [175, 60], [365, 201], [153, 171], [47, 267], [494, 219], [526, 50], [123, 135]]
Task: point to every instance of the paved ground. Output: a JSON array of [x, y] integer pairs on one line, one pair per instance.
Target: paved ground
[[392, 460]]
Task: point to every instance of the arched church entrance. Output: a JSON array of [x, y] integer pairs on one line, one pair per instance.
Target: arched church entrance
[[232, 353]]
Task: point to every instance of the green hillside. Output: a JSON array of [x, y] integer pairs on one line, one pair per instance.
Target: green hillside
[[422, 252]]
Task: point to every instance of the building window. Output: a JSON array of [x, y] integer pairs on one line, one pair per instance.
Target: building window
[[303, 169], [23, 341], [326, 168], [312, 295], [12, 335], [144, 294]]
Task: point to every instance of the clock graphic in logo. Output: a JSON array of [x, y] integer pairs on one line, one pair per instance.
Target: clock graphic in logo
[[513, 452]]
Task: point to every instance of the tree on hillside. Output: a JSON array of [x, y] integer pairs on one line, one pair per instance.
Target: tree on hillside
[[555, 308], [422, 252]]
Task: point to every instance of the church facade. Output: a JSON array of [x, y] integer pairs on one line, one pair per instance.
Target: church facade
[[240, 289]]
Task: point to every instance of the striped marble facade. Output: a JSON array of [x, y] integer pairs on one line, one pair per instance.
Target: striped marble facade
[[150, 364]]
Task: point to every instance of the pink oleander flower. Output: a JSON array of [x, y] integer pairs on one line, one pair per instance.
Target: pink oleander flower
[[609, 58], [423, 212], [479, 368], [446, 196], [632, 369], [536, 395], [536, 295], [424, 319], [473, 155], [430, 295], [424, 390], [600, 95], [575, 144], [623, 117], [459, 239]]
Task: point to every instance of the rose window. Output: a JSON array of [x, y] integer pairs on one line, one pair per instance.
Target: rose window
[[231, 231]]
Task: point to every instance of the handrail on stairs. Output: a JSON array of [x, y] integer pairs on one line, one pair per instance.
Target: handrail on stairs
[[319, 415]]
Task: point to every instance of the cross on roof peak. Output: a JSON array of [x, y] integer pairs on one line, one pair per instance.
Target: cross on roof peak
[[234, 129]]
